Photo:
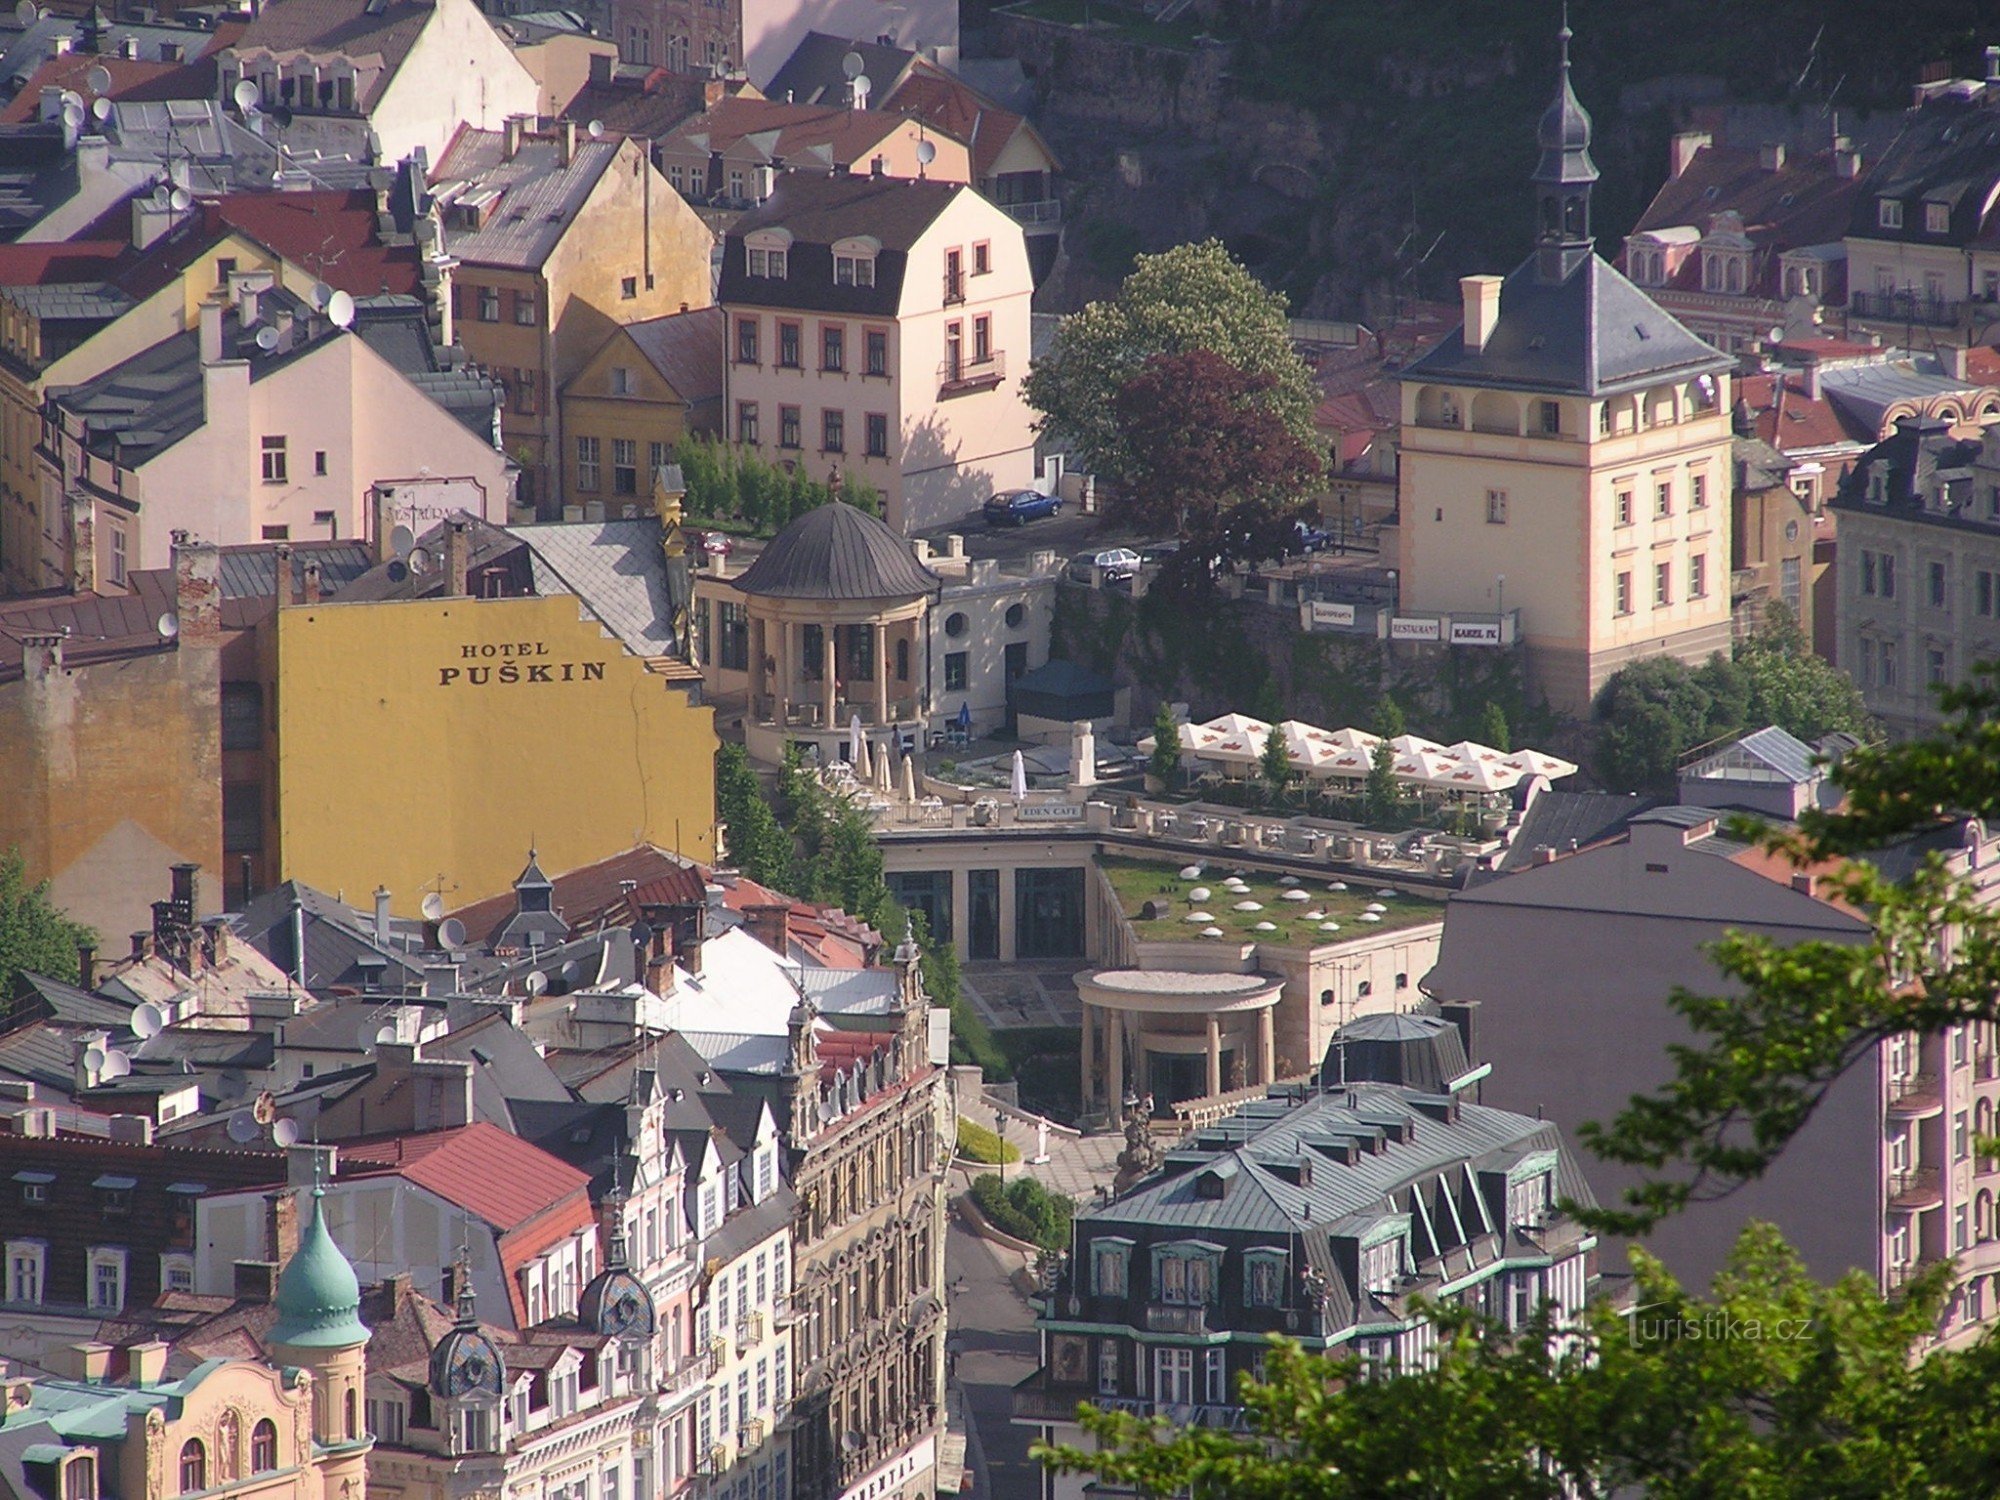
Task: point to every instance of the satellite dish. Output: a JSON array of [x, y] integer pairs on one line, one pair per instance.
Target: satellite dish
[[167, 626], [73, 116], [571, 972], [537, 982], [180, 200], [642, 934], [26, 14], [340, 309], [1777, 335], [596, 129], [98, 79], [863, 86], [71, 96], [286, 1132], [243, 1127], [851, 65], [433, 907], [419, 560], [116, 1064], [101, 108], [147, 1021], [267, 339], [451, 933], [93, 1059], [283, 115], [926, 152], [246, 95], [386, 1034], [401, 540], [264, 1109], [321, 295], [398, 571]]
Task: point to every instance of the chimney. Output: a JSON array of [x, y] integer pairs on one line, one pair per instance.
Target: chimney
[[211, 332], [197, 591], [1771, 156], [142, 946], [311, 595], [256, 1280], [1812, 380], [1802, 882], [133, 1130], [713, 93], [82, 543], [1481, 296], [86, 966], [1682, 150], [771, 925], [384, 498], [457, 550], [184, 886], [1953, 357], [87, 1361], [568, 142], [1993, 65], [767, 180], [1545, 854], [281, 573], [1846, 162], [146, 1364], [878, 166], [281, 1224], [215, 941], [510, 137], [382, 915]]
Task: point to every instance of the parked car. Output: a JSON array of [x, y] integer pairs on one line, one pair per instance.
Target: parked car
[[1158, 552], [712, 543], [1016, 507], [1116, 563], [1311, 538]]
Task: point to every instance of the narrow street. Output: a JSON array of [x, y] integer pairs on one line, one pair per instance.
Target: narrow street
[[993, 1346]]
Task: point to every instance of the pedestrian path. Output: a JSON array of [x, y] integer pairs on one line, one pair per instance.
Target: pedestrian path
[[1078, 1165]]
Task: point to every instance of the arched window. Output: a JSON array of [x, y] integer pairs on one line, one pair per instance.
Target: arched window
[[1494, 412], [1982, 1216], [264, 1447], [194, 1467], [353, 1414]]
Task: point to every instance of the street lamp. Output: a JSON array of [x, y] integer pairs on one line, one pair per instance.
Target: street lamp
[[1500, 584], [1000, 1129]]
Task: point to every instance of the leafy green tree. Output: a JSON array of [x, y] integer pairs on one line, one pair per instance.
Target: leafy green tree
[[1276, 765], [1775, 1387], [1190, 297], [1267, 703], [759, 845], [1383, 795], [34, 935], [1389, 721], [1651, 713], [1794, 689], [1165, 763], [1493, 728]]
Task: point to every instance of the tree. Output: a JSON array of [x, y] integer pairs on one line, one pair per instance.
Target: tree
[[1389, 721], [757, 842], [1493, 728], [34, 934], [1190, 297], [1776, 1387], [1794, 689], [1276, 764], [1165, 763], [1651, 713], [1383, 795]]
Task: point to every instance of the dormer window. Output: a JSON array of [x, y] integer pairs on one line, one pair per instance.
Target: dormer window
[[854, 260], [1381, 1264], [1263, 1278], [79, 1478], [1889, 213], [767, 253], [768, 263], [1185, 1275], [1109, 1262], [1937, 218]]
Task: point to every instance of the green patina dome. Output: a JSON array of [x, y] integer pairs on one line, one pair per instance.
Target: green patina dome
[[319, 1299]]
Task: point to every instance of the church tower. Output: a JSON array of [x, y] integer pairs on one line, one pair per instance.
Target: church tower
[[319, 1330], [1563, 177]]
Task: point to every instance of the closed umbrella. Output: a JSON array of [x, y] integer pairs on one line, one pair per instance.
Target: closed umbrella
[[1020, 778], [857, 746], [910, 778], [882, 773]]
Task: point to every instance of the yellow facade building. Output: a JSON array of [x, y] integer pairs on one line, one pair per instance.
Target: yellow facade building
[[1565, 456], [425, 738], [624, 410]]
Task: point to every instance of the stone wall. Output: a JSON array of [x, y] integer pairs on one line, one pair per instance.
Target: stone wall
[[1102, 73]]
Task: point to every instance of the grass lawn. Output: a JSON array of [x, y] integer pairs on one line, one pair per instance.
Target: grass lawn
[[1139, 881]]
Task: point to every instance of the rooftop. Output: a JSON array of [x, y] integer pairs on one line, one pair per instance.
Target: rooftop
[[355, 29], [1294, 923], [837, 553], [532, 197], [480, 1168]]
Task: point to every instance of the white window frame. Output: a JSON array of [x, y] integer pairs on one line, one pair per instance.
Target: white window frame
[[176, 1265], [1889, 213], [27, 1271], [104, 1258]]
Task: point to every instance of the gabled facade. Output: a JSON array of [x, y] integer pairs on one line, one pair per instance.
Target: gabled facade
[[646, 385], [728, 155], [1565, 456], [879, 328]]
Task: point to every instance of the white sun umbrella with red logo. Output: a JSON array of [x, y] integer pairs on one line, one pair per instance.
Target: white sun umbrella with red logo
[[1541, 763], [1307, 746], [1425, 768], [1354, 739], [1356, 761], [1470, 750], [1483, 775], [1415, 744]]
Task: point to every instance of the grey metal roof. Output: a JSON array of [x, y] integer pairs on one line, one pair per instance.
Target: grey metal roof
[[252, 572], [67, 1003], [836, 552], [686, 348], [1770, 749], [853, 992], [1413, 1049], [97, 300], [1554, 819], [1593, 333], [540, 196], [616, 568], [1866, 392], [813, 73]]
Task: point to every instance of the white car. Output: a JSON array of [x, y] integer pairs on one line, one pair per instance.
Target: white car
[[1116, 563]]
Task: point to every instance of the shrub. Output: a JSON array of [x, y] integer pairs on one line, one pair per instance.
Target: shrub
[[977, 1143], [1024, 1209]]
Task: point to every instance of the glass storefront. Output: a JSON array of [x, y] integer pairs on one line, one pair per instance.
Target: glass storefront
[[1048, 913], [927, 891]]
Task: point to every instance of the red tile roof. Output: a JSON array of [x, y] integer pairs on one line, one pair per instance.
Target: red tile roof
[[61, 264], [482, 1169], [1788, 419], [952, 105], [333, 235], [593, 895], [70, 71], [849, 135], [841, 1050]]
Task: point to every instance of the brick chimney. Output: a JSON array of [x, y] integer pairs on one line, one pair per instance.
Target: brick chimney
[[457, 555], [311, 594], [281, 1224], [281, 574], [771, 925], [256, 1280], [86, 966], [197, 591], [215, 941], [1481, 298]]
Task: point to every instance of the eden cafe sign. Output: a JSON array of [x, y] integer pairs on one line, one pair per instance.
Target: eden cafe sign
[[501, 663]]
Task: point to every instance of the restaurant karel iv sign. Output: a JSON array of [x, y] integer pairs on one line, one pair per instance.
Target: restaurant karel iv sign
[[512, 664]]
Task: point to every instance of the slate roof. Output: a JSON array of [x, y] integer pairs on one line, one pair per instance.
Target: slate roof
[[813, 74], [540, 196], [338, 941], [251, 572], [616, 569], [649, 107], [1918, 459], [829, 136], [1804, 202], [820, 210], [1555, 818], [38, 997], [347, 28], [948, 103], [95, 627], [1948, 151], [1593, 333], [836, 552], [686, 350]]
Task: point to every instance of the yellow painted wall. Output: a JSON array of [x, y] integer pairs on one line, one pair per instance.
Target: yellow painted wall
[[444, 736]]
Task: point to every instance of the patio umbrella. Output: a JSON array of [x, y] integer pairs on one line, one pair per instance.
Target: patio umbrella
[[1484, 775], [1231, 725], [1541, 763], [909, 778], [1413, 744], [1355, 762], [1307, 746], [965, 717], [1354, 739], [1470, 750], [857, 746], [882, 772], [1425, 768], [1020, 778]]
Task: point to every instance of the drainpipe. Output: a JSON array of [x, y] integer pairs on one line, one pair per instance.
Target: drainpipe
[[298, 939]]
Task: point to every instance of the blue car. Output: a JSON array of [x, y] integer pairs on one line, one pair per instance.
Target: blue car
[[1014, 507]]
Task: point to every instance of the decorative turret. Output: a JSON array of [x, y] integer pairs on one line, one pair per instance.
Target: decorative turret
[[465, 1363], [1563, 176], [616, 1303], [801, 1076], [319, 1330]]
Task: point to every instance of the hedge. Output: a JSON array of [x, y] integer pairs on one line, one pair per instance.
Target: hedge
[[977, 1143], [1025, 1209]]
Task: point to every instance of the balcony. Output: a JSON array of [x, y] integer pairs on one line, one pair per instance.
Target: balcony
[[1906, 307], [1164, 1317], [1916, 1096], [957, 376], [748, 1331], [1915, 1191], [689, 1375], [1045, 213]]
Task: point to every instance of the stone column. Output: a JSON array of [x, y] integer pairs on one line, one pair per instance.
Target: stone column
[[1267, 1064], [826, 635], [1114, 1062], [1089, 1051], [881, 671], [1214, 1055], [781, 689]]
